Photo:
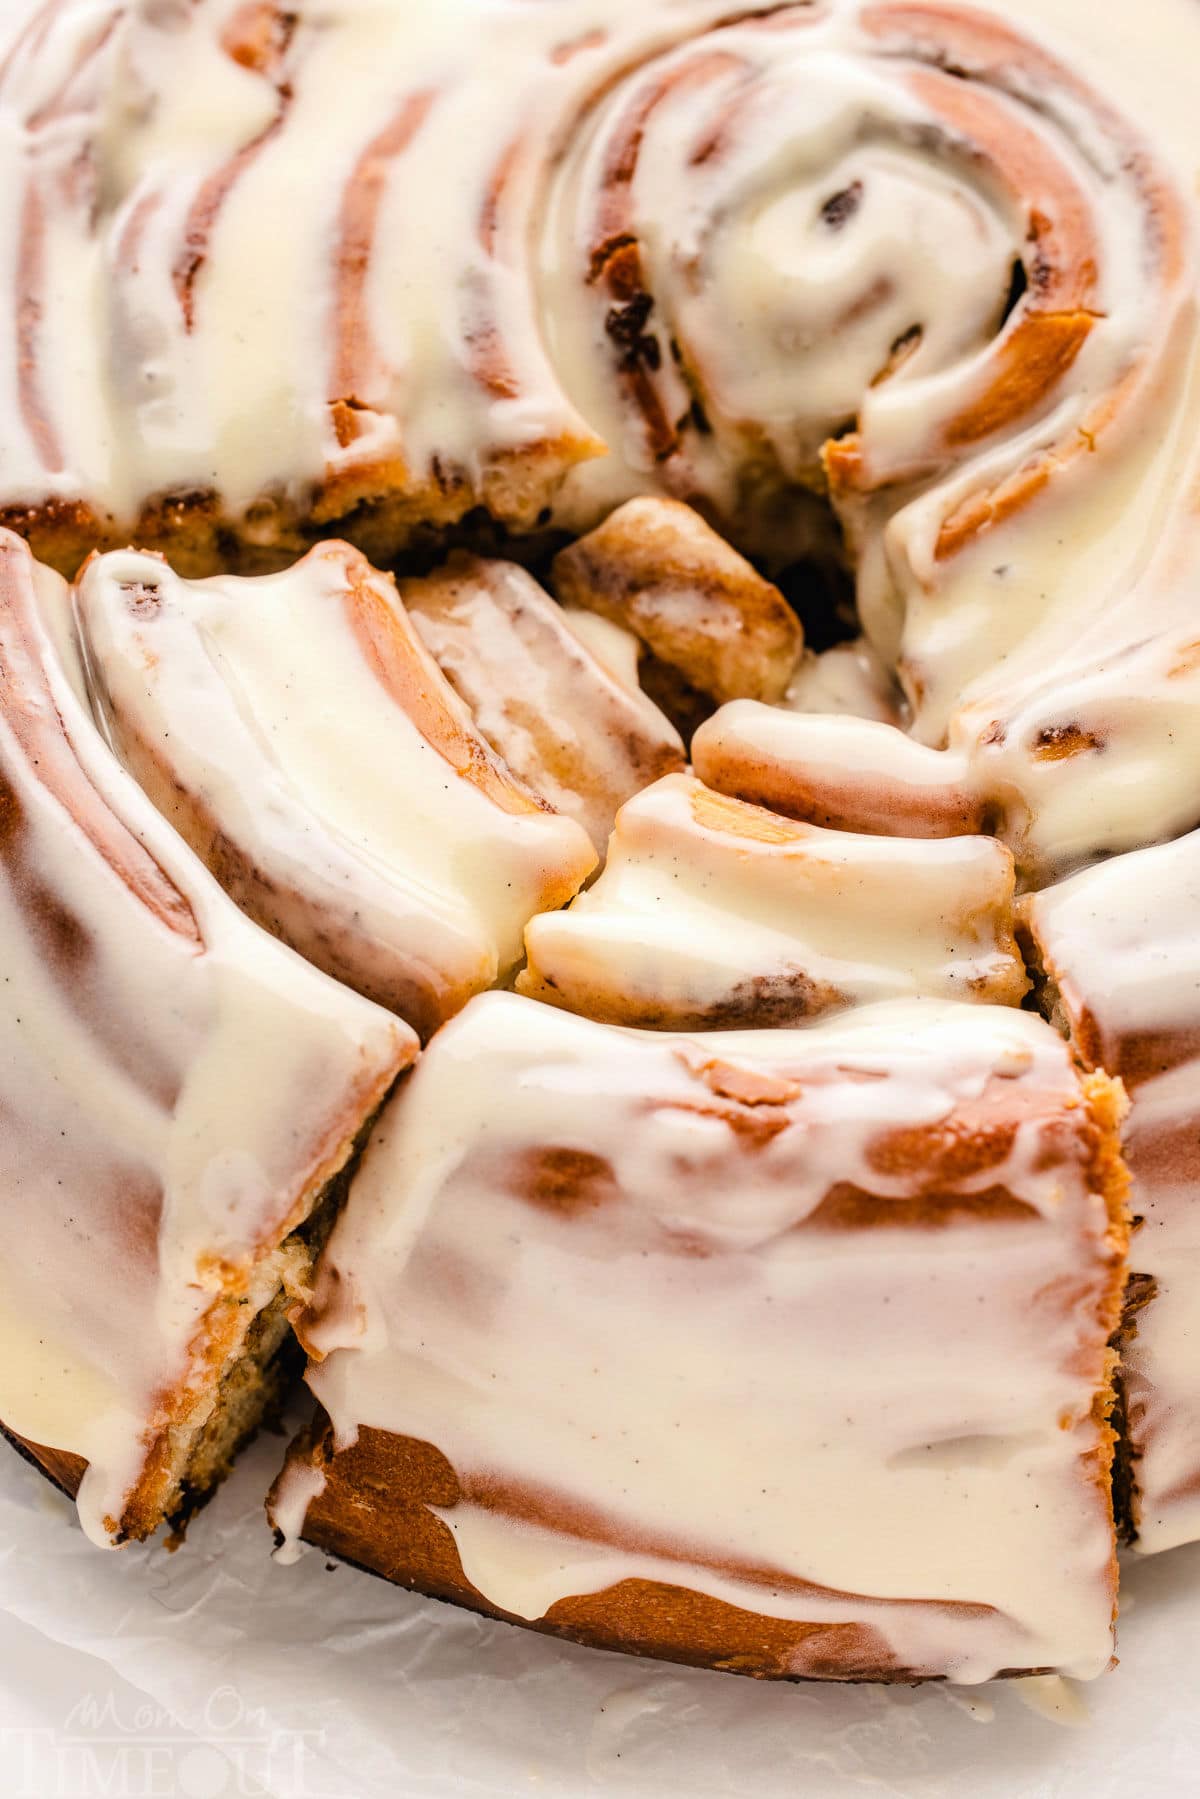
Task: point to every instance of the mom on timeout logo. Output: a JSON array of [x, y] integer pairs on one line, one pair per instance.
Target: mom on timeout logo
[[110, 1750]]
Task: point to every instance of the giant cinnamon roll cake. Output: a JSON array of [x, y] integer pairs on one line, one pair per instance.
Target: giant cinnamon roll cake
[[684, 513]]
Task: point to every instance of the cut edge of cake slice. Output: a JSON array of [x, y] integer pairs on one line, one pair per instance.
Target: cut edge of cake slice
[[432, 1469], [181, 1097]]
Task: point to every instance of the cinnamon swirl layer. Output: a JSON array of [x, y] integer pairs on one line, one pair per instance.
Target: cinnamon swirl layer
[[1030, 581], [611, 1342], [176, 1093], [656, 569], [935, 262], [297, 733], [718, 288]]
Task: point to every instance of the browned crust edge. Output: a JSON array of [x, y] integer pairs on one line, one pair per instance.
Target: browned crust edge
[[373, 506], [375, 1515], [1108, 1108], [1137, 1290]]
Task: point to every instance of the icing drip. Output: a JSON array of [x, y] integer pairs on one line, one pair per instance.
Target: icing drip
[[848, 678]]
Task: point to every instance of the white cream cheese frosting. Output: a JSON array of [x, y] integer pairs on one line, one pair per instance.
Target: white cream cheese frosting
[[710, 913], [393, 284], [296, 731], [267, 265], [943, 258]]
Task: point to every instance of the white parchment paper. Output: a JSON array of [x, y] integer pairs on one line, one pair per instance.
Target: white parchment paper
[[215, 1672]]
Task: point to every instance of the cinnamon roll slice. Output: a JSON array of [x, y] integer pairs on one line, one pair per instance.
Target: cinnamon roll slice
[[657, 569], [296, 731], [179, 1095], [1119, 954], [838, 770], [556, 697], [610, 1342], [712, 914]]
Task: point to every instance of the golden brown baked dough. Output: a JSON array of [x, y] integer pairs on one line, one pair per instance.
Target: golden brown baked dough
[[711, 914], [656, 568], [580, 733]]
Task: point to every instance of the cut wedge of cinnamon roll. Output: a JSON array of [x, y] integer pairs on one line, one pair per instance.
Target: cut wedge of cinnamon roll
[[558, 699], [711, 914], [1119, 953], [296, 731], [575, 1257], [179, 1095]]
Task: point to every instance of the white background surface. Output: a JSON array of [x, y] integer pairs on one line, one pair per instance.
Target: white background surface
[[307, 1684]]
